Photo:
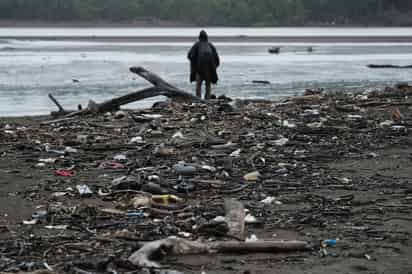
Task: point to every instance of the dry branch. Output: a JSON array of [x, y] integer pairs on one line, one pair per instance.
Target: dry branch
[[160, 88]]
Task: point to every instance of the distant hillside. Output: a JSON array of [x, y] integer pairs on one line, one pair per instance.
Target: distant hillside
[[215, 12]]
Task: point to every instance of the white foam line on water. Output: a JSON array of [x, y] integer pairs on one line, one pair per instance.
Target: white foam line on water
[[38, 44], [218, 32]]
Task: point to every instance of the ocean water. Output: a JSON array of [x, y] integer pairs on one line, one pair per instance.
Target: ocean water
[[32, 68]]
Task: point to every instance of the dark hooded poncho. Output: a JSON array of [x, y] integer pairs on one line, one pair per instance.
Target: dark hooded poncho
[[204, 60]]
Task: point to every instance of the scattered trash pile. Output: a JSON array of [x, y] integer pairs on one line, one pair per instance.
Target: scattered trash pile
[[126, 191]]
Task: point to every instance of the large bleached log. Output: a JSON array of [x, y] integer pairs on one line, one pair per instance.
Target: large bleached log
[[172, 245], [177, 246]]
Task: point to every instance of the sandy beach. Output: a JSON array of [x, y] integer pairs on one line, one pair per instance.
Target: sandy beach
[[331, 167]]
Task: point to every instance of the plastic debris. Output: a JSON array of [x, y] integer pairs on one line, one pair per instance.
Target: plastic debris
[[141, 200], [288, 124], [329, 243], [120, 158], [185, 169], [253, 176], [250, 219], [30, 222], [178, 135], [268, 200], [219, 219], [84, 190], [386, 123], [136, 140], [64, 173], [111, 165], [236, 153], [57, 227], [166, 199], [281, 141], [48, 160], [252, 238], [71, 150], [135, 214], [41, 214]]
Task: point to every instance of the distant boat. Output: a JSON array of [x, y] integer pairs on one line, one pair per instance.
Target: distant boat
[[274, 50]]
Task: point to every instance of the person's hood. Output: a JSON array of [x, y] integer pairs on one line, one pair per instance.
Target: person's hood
[[203, 36]]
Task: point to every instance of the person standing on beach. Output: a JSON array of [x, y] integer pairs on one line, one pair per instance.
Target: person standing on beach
[[204, 60]]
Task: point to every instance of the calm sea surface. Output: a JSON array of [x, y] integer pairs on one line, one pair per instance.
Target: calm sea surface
[[30, 68]]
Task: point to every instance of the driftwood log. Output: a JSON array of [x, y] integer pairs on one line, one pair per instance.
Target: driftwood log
[[160, 88], [177, 246], [389, 66]]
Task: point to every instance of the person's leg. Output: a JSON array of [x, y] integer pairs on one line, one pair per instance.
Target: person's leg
[[208, 80], [208, 90], [198, 86]]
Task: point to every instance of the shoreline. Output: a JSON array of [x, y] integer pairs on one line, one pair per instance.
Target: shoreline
[[220, 39], [86, 24], [168, 24]]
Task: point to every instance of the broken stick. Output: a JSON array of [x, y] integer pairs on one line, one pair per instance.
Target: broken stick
[[59, 106], [235, 218], [259, 247]]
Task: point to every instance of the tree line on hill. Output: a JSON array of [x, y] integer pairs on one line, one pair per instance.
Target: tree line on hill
[[215, 12]]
